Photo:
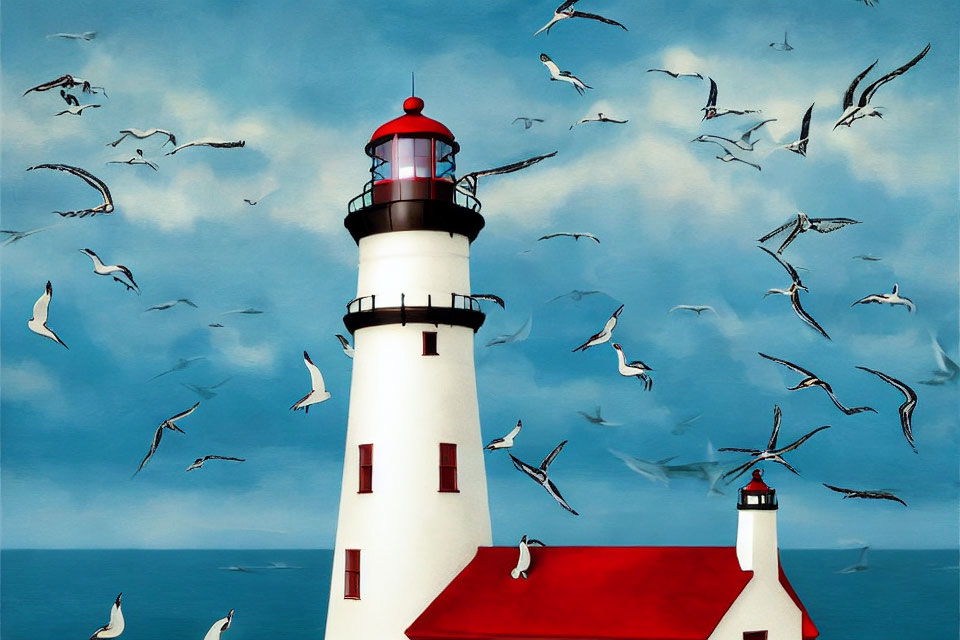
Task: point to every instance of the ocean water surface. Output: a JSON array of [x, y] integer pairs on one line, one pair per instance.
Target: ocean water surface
[[62, 594]]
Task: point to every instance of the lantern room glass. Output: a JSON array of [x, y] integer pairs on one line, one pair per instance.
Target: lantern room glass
[[406, 158]]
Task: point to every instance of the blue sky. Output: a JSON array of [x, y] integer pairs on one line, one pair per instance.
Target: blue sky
[[305, 86]]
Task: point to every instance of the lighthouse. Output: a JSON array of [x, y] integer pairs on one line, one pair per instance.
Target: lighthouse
[[413, 501]]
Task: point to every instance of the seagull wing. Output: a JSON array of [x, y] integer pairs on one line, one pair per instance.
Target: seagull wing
[[593, 16], [826, 225], [746, 134], [837, 489], [777, 414], [796, 443], [316, 378], [712, 97], [786, 265], [41, 307], [533, 472], [157, 436], [789, 365], [848, 96], [553, 491], [87, 177], [806, 317], [870, 90], [63, 81], [550, 65], [223, 458], [513, 433], [779, 229], [510, 168], [489, 296], [550, 456]]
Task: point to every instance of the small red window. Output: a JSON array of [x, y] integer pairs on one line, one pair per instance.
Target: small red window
[[430, 343], [351, 581], [754, 635], [448, 467], [366, 468]]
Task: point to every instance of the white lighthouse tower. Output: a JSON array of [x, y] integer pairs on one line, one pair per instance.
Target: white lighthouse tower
[[413, 503]]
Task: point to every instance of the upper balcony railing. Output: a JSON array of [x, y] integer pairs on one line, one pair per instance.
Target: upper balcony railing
[[454, 301], [366, 199]]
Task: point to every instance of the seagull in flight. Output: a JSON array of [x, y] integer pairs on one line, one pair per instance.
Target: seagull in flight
[[811, 380], [204, 392], [69, 98], [522, 334], [727, 154], [489, 297], [16, 236], [141, 134], [800, 146], [506, 441], [600, 118], [169, 423], [115, 627], [771, 452], [576, 295], [38, 322], [318, 391], [67, 81], [862, 109], [93, 181], [563, 76], [745, 143], [565, 11], [676, 74], [523, 561], [77, 110], [182, 364], [604, 334], [166, 305], [866, 258], [206, 142], [527, 122], [692, 307], [947, 370], [540, 475], [468, 182], [249, 311], [138, 159], [596, 418], [804, 223], [105, 270], [794, 292], [345, 345], [568, 234], [894, 298], [906, 409], [634, 369], [782, 46], [199, 461], [861, 564], [854, 493], [86, 35], [710, 110], [219, 627]]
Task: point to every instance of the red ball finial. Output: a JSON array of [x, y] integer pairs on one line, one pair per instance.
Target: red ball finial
[[413, 105]]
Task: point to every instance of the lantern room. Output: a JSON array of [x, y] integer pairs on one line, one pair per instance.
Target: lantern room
[[756, 494], [413, 157]]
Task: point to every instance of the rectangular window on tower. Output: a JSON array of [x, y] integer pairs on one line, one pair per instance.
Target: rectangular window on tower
[[351, 577], [754, 635], [430, 343], [448, 468], [366, 468]]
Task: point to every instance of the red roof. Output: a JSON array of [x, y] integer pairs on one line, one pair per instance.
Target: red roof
[[756, 482], [648, 593], [412, 122]]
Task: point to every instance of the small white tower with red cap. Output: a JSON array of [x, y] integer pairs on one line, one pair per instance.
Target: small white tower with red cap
[[413, 503]]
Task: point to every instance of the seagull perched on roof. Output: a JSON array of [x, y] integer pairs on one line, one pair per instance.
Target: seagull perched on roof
[[794, 292], [506, 441], [92, 180], [570, 234], [219, 627], [863, 108], [540, 475], [169, 423], [804, 223], [563, 76], [105, 270], [523, 561], [633, 369], [207, 142], [711, 111], [38, 322], [141, 134], [318, 391], [115, 627], [565, 11], [600, 118], [854, 493], [345, 345], [811, 380], [677, 74], [893, 298], [198, 463], [527, 122], [467, 183], [604, 334], [782, 46], [906, 409], [771, 452]]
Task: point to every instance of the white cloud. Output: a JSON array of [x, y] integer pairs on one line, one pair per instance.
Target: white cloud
[[28, 380]]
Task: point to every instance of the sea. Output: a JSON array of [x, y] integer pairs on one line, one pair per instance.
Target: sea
[[65, 594]]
